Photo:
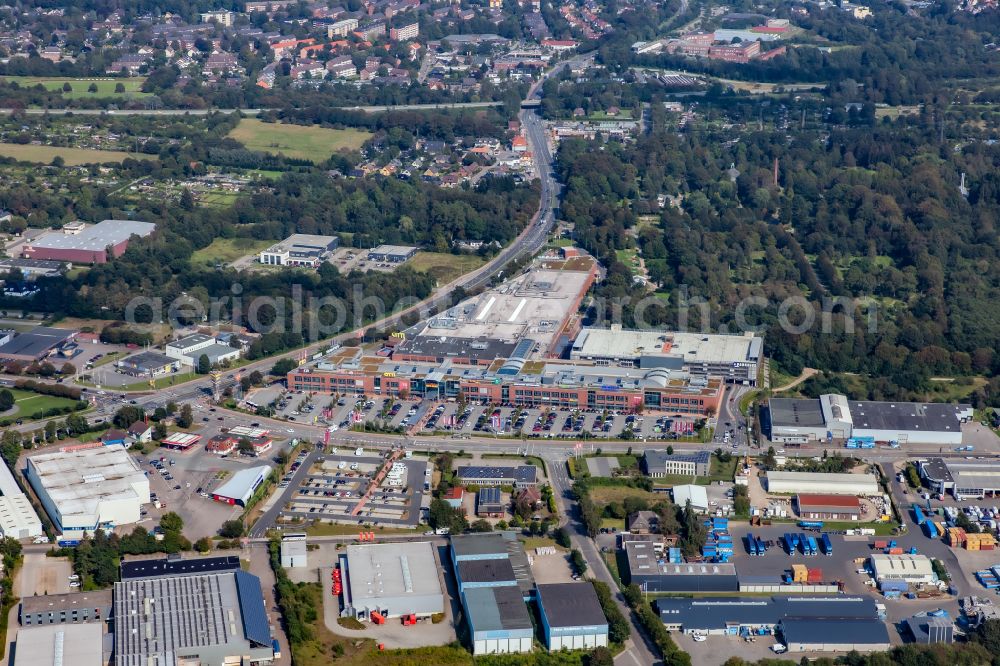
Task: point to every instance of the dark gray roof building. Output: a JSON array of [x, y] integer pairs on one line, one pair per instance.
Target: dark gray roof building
[[485, 573], [927, 629], [35, 344], [571, 605], [211, 616], [147, 363], [842, 635], [572, 616], [660, 463], [440, 349], [521, 475], [719, 614]]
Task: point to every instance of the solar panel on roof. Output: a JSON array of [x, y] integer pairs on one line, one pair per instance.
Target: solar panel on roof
[[256, 628]]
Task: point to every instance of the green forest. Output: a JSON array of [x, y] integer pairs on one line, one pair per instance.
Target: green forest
[[872, 214]]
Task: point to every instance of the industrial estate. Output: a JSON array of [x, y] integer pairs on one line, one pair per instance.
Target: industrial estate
[[570, 333], [426, 478]]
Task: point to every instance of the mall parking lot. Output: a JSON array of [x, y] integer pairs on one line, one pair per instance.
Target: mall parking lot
[[547, 423], [333, 490]]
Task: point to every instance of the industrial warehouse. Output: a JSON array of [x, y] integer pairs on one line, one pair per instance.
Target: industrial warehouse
[[79, 243], [828, 507], [391, 579], [572, 617], [962, 478], [790, 483], [36, 344], [651, 572], [207, 609], [494, 582], [831, 416], [746, 615], [88, 486]]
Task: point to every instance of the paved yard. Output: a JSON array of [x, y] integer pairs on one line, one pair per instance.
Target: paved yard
[[551, 568], [603, 466], [41, 575]]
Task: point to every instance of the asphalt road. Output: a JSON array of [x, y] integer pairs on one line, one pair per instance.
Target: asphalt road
[[245, 112]]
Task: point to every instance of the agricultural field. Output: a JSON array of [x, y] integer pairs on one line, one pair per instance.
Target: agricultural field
[[310, 142], [71, 156], [80, 87], [444, 267], [228, 250]]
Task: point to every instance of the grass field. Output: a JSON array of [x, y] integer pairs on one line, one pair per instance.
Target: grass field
[[444, 267], [105, 87], [218, 199], [307, 142], [28, 402], [228, 250], [71, 156], [608, 494]]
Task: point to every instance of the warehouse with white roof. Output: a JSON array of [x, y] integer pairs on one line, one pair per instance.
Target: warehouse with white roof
[[89, 486], [794, 483], [18, 519], [914, 569], [391, 578]]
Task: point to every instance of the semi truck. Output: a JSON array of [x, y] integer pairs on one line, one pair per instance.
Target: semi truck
[[827, 544]]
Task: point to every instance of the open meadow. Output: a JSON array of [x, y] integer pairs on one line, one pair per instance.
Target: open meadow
[[80, 88], [71, 156], [306, 142]]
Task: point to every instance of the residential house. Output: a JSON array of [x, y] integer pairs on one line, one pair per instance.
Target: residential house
[[643, 522], [141, 432]]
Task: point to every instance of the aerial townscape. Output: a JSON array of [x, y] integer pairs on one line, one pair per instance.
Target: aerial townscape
[[499, 333]]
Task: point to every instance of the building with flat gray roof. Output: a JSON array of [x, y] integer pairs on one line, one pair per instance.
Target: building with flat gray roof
[[482, 475], [962, 478], [832, 416], [828, 483], [650, 570], [493, 546], [392, 578], [927, 629], [211, 618], [734, 358], [659, 463], [147, 364], [572, 617], [498, 619], [307, 250], [59, 644], [72, 608], [394, 254], [79, 243]]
